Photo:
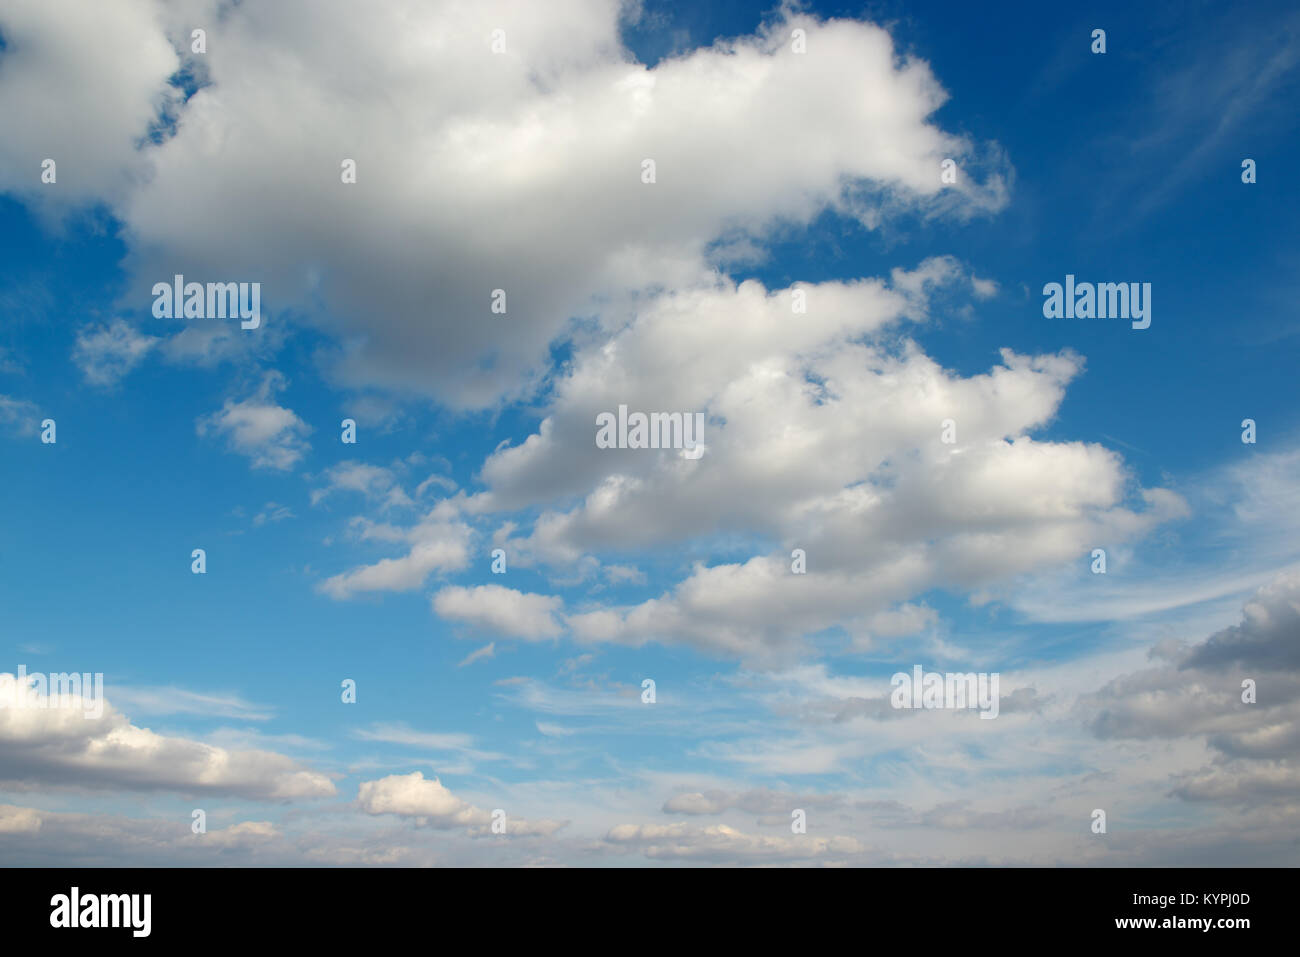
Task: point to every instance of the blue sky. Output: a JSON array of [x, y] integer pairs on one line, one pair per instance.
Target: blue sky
[[522, 691]]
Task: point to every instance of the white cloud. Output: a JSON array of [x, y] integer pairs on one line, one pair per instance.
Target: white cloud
[[108, 353], [68, 94], [272, 512], [430, 803], [620, 574], [19, 417], [165, 700], [269, 434], [243, 834], [476, 170], [51, 743], [1243, 526], [437, 544], [400, 734], [823, 434], [505, 611], [553, 730], [414, 796], [487, 651], [208, 344], [372, 481]]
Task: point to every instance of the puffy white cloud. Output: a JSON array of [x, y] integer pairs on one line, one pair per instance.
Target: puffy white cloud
[[429, 803], [68, 94], [824, 432], [438, 543], [50, 741], [411, 795], [243, 834], [269, 434], [476, 170], [505, 611]]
